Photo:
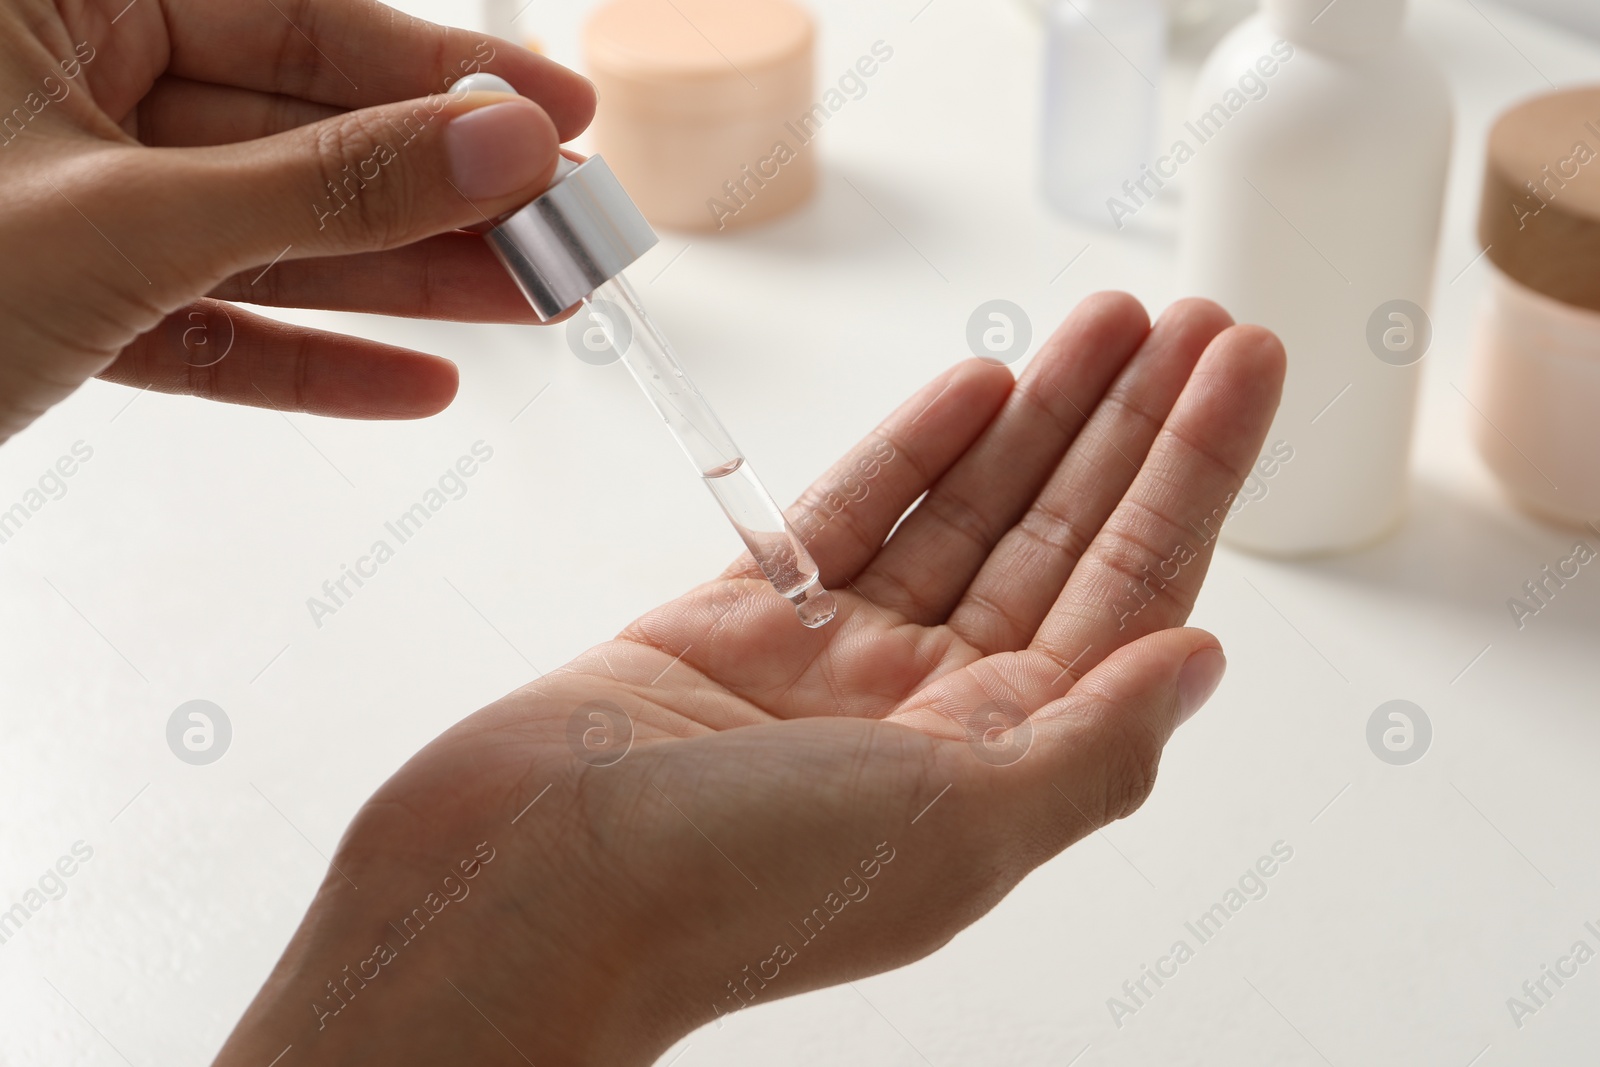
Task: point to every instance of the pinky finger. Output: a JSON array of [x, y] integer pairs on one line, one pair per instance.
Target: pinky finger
[[214, 350]]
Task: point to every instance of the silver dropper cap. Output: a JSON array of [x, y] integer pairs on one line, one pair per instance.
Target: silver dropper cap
[[579, 234]]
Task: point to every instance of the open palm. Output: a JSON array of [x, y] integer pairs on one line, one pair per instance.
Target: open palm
[[720, 807]]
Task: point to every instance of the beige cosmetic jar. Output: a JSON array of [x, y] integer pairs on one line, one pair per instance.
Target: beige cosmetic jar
[[1536, 363], [706, 107]]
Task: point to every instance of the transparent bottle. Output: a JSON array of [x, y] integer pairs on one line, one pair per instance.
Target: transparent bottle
[[1102, 78]]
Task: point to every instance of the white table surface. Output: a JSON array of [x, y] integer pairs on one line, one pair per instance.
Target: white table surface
[[178, 565]]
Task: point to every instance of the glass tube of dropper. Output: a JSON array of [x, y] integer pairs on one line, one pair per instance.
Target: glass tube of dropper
[[614, 308]]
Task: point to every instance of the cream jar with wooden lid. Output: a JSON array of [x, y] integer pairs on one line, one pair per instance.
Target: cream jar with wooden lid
[[706, 107], [1536, 364]]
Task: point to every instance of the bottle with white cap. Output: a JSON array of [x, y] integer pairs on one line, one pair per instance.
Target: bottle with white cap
[[1314, 167]]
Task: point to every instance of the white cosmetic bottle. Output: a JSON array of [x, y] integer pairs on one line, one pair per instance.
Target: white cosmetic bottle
[[1312, 207]]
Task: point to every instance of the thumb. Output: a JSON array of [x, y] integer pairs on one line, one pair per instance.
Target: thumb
[[363, 181], [1100, 745]]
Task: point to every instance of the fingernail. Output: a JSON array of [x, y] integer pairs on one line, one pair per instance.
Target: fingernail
[[497, 150], [1198, 679]]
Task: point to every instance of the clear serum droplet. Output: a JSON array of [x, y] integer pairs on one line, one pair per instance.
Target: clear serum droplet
[[816, 607]]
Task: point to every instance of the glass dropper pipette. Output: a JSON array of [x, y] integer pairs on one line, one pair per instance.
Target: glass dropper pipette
[[570, 246], [615, 309]]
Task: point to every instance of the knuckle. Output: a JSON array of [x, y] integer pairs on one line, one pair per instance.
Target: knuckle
[[202, 381], [1054, 530], [960, 516], [1057, 408], [199, 338], [1124, 410], [256, 286], [283, 113], [361, 189], [300, 374], [1129, 790], [998, 625], [1126, 551], [1132, 760], [1129, 562]]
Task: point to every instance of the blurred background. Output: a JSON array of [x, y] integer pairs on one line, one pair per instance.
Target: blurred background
[[1430, 878]]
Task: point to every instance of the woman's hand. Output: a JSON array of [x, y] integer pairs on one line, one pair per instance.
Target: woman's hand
[[721, 807], [162, 156]]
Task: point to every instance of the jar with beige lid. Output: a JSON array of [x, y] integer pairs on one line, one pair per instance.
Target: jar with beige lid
[[1536, 363], [706, 107]]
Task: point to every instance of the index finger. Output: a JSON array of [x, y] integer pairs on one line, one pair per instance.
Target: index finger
[[357, 53]]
